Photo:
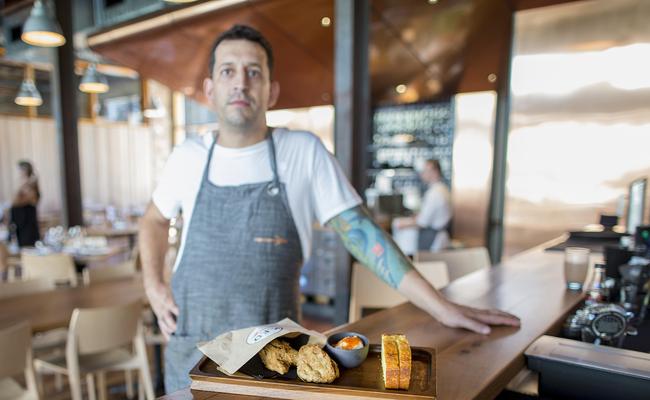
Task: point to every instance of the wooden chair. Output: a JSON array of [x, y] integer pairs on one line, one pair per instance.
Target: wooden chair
[[435, 272], [123, 270], [97, 341], [368, 292], [59, 266], [43, 342], [15, 348], [459, 262], [4, 262]]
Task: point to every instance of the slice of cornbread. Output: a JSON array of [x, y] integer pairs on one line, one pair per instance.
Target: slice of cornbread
[[390, 361], [404, 352]]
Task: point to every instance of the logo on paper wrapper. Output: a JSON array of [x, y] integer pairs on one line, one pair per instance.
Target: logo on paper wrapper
[[262, 333]]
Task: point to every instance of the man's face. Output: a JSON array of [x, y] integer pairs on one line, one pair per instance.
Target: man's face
[[241, 90], [429, 173]]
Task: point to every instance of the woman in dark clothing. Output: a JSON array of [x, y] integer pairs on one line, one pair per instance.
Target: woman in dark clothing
[[23, 208]]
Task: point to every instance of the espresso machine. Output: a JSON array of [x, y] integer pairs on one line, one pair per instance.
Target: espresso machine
[[634, 288], [617, 301]]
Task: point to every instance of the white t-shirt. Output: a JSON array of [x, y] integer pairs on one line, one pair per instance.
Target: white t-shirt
[[316, 186], [436, 208], [435, 213]]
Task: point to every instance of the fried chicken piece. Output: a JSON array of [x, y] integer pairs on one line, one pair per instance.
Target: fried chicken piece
[[314, 365], [278, 356]]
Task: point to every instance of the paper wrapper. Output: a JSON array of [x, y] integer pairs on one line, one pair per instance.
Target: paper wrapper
[[231, 350]]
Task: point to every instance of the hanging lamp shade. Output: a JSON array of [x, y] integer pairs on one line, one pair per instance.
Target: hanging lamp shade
[[93, 81], [155, 109], [28, 94], [41, 28]]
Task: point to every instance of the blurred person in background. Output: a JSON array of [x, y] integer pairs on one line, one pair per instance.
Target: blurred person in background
[[434, 217], [23, 214]]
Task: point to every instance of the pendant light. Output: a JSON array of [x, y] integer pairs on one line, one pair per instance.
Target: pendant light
[[28, 94], [41, 28], [155, 109], [93, 81]]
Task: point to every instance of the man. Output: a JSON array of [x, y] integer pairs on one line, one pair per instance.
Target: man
[[435, 213], [249, 196]]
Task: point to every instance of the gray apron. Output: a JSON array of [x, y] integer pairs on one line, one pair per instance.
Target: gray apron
[[240, 266], [426, 236]]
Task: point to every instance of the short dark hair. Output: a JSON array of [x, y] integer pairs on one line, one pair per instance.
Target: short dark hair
[[27, 167], [435, 164], [244, 32]]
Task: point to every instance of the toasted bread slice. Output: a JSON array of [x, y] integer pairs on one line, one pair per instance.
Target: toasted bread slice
[[404, 351], [390, 361]]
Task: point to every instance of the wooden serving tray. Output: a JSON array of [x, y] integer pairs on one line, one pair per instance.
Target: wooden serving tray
[[362, 382]]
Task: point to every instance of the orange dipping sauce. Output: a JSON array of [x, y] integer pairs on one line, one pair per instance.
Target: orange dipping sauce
[[349, 343]]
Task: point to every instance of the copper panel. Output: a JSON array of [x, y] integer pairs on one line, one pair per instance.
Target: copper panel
[[580, 116], [177, 54], [472, 165]]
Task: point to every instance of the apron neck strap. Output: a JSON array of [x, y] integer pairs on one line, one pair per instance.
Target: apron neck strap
[[269, 139], [206, 170], [274, 165]]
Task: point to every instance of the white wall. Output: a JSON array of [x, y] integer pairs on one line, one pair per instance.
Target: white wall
[[117, 161]]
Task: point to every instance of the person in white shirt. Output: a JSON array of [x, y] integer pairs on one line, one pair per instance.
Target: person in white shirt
[[248, 195], [435, 214]]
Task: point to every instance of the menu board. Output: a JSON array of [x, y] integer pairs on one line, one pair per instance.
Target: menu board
[[405, 135]]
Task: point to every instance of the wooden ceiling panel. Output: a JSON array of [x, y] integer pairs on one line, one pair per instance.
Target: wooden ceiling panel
[[435, 49], [178, 54], [429, 39], [303, 26], [519, 5]]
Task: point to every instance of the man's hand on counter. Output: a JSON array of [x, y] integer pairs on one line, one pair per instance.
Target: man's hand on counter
[[415, 288], [163, 305], [474, 319]]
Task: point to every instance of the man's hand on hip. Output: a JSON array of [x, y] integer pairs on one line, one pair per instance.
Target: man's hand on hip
[[163, 305]]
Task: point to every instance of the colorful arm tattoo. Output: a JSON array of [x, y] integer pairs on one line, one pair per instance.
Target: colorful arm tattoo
[[369, 244]]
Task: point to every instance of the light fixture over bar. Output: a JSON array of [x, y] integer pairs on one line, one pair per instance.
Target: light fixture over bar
[[41, 28], [28, 95], [93, 81]]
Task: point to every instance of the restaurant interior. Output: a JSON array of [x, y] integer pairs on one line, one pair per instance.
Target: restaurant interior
[[538, 112]]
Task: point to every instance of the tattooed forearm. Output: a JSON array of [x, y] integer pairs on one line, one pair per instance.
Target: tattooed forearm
[[370, 245]]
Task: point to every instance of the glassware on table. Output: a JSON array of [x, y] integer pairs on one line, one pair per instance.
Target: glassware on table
[[576, 267]]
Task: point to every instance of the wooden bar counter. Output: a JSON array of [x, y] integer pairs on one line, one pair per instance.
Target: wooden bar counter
[[470, 366]]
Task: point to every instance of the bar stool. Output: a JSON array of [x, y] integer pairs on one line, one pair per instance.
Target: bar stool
[[101, 340], [16, 351]]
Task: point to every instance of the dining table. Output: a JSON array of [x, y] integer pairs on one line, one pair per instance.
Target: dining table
[[80, 256], [129, 231], [53, 309]]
